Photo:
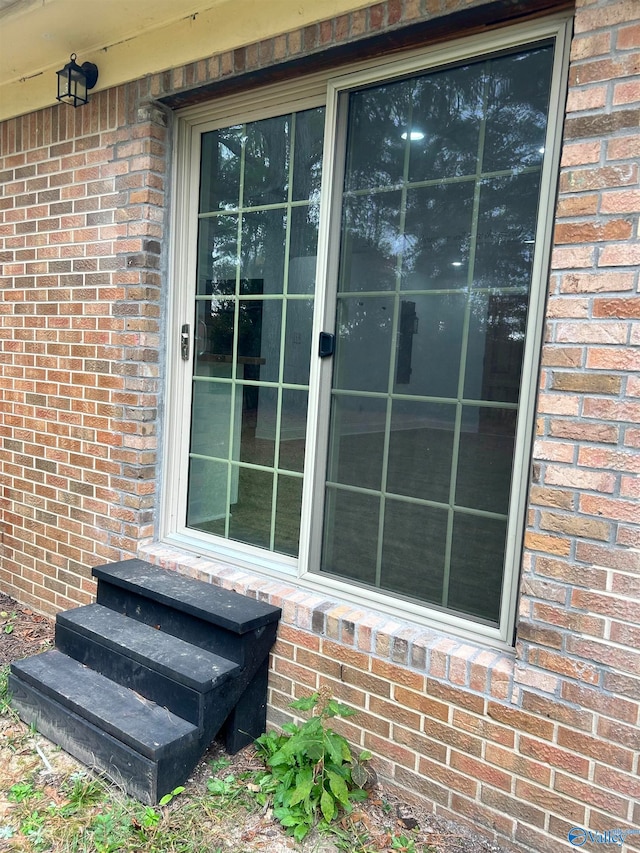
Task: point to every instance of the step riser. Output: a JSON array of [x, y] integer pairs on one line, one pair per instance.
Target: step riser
[[181, 700], [246, 650]]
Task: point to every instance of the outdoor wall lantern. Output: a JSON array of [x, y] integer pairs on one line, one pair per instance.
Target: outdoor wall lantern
[[75, 80]]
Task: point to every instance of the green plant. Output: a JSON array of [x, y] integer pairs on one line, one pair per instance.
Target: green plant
[[5, 697], [8, 621], [170, 796], [403, 843], [22, 791], [313, 775], [83, 791]]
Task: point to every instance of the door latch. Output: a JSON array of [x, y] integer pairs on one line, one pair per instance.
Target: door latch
[[184, 342], [326, 345]]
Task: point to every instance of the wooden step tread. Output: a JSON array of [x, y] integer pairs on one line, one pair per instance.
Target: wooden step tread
[[172, 657], [150, 730], [222, 607]]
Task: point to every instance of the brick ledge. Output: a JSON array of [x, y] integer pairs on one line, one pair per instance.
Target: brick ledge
[[460, 663]]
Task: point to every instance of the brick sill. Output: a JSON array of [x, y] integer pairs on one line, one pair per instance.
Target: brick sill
[[464, 664]]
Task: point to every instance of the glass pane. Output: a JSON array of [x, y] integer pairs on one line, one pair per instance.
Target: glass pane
[[217, 250], [251, 514], [213, 339], [293, 426], [447, 111], [438, 236], [288, 506], [506, 228], [430, 338], [477, 557], [266, 167], [421, 450], [370, 242], [351, 535], [220, 169], [303, 249], [259, 339], [379, 118], [207, 499], [307, 170], [363, 343], [413, 552], [517, 104], [357, 441], [259, 424], [297, 341], [485, 458], [262, 259], [496, 346], [210, 415]]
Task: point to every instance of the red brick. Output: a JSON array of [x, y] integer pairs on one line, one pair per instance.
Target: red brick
[[364, 681], [484, 728], [397, 674], [588, 794], [419, 702], [518, 765], [520, 720], [616, 707], [601, 282], [448, 777], [550, 801], [590, 746]]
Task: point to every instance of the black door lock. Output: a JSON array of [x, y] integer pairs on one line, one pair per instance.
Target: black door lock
[[326, 345]]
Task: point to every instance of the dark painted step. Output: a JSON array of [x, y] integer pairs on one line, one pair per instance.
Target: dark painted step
[[231, 625], [199, 652], [145, 747], [161, 667]]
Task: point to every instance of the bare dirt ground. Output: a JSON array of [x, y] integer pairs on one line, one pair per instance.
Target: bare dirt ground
[[382, 816]]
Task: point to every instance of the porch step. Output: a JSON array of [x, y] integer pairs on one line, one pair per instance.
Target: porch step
[[141, 746], [161, 667], [147, 728], [216, 619], [141, 682]]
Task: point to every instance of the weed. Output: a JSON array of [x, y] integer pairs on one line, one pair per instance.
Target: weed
[[22, 791], [5, 696], [311, 776], [83, 791], [168, 797], [7, 621], [218, 764]]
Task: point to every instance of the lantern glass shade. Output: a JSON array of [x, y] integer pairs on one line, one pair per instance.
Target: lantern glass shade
[[74, 81]]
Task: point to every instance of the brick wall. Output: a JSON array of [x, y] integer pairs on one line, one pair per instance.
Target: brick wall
[[525, 745], [82, 220]]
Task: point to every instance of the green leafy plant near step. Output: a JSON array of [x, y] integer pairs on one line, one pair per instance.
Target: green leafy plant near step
[[7, 621], [312, 776]]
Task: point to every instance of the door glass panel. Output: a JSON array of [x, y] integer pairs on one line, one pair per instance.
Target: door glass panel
[[411, 529], [257, 246], [439, 207], [421, 443], [370, 242], [438, 225], [363, 346], [357, 441]]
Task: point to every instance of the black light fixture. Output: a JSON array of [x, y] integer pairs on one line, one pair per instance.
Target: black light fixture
[[75, 80]]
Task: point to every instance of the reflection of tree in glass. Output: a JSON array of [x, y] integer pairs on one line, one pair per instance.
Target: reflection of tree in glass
[[517, 104], [506, 227], [307, 165], [377, 119]]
